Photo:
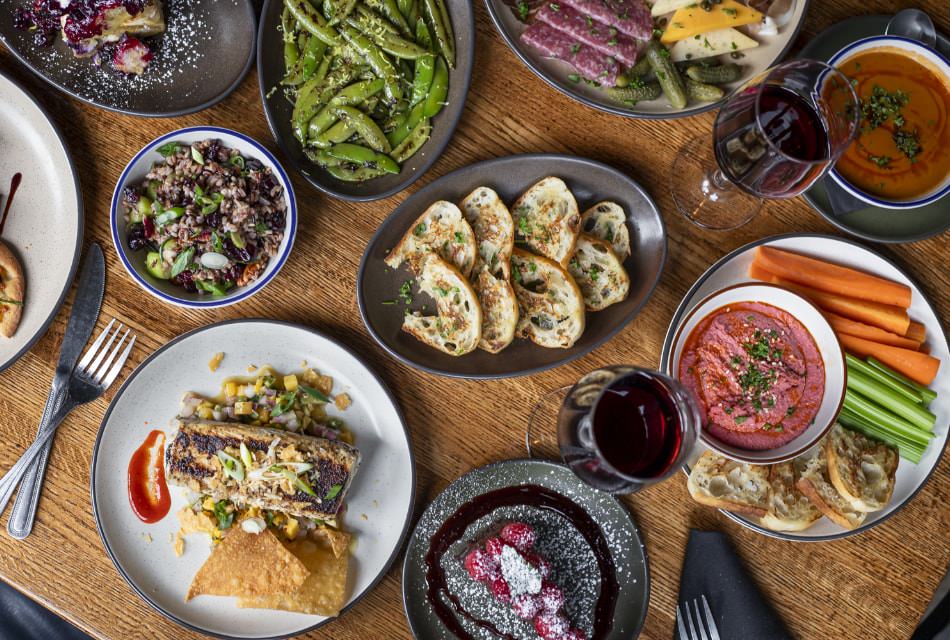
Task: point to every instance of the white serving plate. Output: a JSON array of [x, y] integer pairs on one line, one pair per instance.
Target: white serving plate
[[732, 269], [383, 489], [44, 227]]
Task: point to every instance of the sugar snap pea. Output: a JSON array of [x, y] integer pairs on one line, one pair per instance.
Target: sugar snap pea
[[408, 147], [440, 31], [322, 158], [703, 92], [353, 94], [363, 156], [666, 73], [352, 173], [390, 10], [375, 21], [405, 125], [422, 79], [405, 8], [306, 64], [376, 59], [716, 74], [391, 43], [308, 101], [340, 11], [364, 126], [311, 20], [340, 132], [635, 92], [439, 89]]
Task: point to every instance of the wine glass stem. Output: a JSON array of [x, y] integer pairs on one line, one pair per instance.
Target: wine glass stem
[[529, 438]]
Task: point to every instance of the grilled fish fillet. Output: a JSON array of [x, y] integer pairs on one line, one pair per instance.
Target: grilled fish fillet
[[192, 461]]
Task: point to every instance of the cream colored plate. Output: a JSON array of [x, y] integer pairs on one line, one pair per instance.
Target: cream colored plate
[[44, 227]]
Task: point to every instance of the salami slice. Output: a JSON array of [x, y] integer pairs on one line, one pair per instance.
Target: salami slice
[[631, 17], [591, 64], [604, 38]]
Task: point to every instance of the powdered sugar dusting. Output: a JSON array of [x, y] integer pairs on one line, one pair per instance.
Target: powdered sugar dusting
[[520, 576]]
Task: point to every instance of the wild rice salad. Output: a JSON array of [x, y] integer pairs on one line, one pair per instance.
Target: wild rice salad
[[208, 218]]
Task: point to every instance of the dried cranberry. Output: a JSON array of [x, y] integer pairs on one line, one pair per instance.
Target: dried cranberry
[[187, 281], [131, 195], [252, 164], [239, 255], [275, 220], [213, 150], [213, 220], [136, 237], [149, 227]]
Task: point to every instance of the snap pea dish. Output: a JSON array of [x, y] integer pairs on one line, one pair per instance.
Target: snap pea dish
[[365, 77]]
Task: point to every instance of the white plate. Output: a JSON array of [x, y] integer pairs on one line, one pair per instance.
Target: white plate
[[771, 49], [383, 489], [732, 268], [44, 227]]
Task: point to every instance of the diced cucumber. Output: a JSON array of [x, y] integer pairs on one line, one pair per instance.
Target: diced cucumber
[[156, 266]]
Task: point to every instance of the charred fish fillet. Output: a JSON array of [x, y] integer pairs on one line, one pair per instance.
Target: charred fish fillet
[[325, 468]]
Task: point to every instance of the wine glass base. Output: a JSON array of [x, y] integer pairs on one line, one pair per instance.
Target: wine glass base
[[703, 195]]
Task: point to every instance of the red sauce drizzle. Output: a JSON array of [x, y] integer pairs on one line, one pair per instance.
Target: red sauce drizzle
[[148, 491]]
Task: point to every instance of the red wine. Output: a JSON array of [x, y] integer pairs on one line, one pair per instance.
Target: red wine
[[637, 428], [746, 145]]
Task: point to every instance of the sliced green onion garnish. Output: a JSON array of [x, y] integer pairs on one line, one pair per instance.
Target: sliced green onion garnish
[[233, 468], [314, 393], [246, 456], [196, 156]]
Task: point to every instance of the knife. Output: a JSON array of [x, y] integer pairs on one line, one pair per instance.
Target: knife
[[82, 320]]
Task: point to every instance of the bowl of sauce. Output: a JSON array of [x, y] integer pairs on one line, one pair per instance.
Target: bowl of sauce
[[900, 158], [766, 369]]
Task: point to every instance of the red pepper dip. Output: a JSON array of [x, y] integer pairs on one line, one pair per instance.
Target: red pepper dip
[[757, 372]]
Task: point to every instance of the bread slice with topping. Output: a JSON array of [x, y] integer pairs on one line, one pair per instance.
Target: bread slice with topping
[[441, 229], [816, 485], [862, 469], [608, 221], [723, 483], [499, 310], [547, 220], [11, 291], [598, 272], [788, 508], [550, 304], [457, 328], [494, 230]]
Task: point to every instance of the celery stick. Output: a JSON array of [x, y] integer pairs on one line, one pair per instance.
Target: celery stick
[[905, 390], [908, 450], [884, 418], [888, 399], [928, 394]]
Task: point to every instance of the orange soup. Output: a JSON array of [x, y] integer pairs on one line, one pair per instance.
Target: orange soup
[[903, 148]]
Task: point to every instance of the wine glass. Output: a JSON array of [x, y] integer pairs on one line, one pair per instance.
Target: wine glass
[[774, 137], [622, 428]]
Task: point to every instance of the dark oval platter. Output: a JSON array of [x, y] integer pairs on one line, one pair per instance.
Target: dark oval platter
[[590, 182]]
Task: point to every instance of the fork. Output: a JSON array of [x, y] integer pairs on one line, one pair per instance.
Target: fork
[[706, 624], [96, 371]]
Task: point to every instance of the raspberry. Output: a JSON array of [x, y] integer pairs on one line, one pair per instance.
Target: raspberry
[[480, 565], [493, 546], [539, 563], [499, 589], [526, 606], [519, 535], [551, 626], [576, 634], [552, 598]]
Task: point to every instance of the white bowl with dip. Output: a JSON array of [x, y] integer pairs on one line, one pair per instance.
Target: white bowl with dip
[[828, 350], [933, 61]]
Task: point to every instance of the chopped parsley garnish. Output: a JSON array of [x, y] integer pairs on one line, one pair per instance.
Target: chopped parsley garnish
[[741, 419], [523, 227], [575, 48], [790, 411], [405, 291], [881, 161], [730, 12], [523, 10], [908, 143], [420, 229], [573, 77], [459, 238], [882, 105], [594, 273], [554, 6]]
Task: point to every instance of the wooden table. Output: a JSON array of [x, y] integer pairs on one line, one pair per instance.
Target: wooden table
[[875, 585]]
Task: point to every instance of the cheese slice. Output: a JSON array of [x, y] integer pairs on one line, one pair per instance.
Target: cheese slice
[[713, 43], [693, 20], [669, 6]]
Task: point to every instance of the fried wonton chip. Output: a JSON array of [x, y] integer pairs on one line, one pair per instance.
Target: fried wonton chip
[[247, 564], [326, 555]]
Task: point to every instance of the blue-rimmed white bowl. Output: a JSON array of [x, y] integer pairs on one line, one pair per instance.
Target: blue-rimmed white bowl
[[134, 261]]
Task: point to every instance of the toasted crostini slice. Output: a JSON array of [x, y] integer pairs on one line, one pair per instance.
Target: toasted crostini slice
[[457, 327], [816, 485], [598, 272], [608, 221], [739, 487], [499, 310], [494, 230], [789, 509], [547, 220], [12, 288], [862, 469], [441, 229], [550, 304]]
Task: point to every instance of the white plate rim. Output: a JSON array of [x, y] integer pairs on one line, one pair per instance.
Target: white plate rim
[[403, 536], [677, 316], [628, 113], [80, 224]]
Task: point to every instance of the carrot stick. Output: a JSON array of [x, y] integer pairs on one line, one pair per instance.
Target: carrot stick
[[866, 331], [883, 316], [916, 331], [832, 278], [919, 367]]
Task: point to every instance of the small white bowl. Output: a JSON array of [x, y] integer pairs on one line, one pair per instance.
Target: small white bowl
[[937, 62], [134, 173], [828, 346]]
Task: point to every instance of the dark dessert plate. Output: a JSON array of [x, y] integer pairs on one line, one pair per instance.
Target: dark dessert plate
[[205, 52], [377, 286], [278, 109], [589, 538]]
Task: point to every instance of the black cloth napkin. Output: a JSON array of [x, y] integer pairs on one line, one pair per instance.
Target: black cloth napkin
[[712, 568], [24, 619]]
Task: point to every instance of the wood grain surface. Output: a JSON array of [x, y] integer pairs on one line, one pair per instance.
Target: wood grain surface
[[875, 585]]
